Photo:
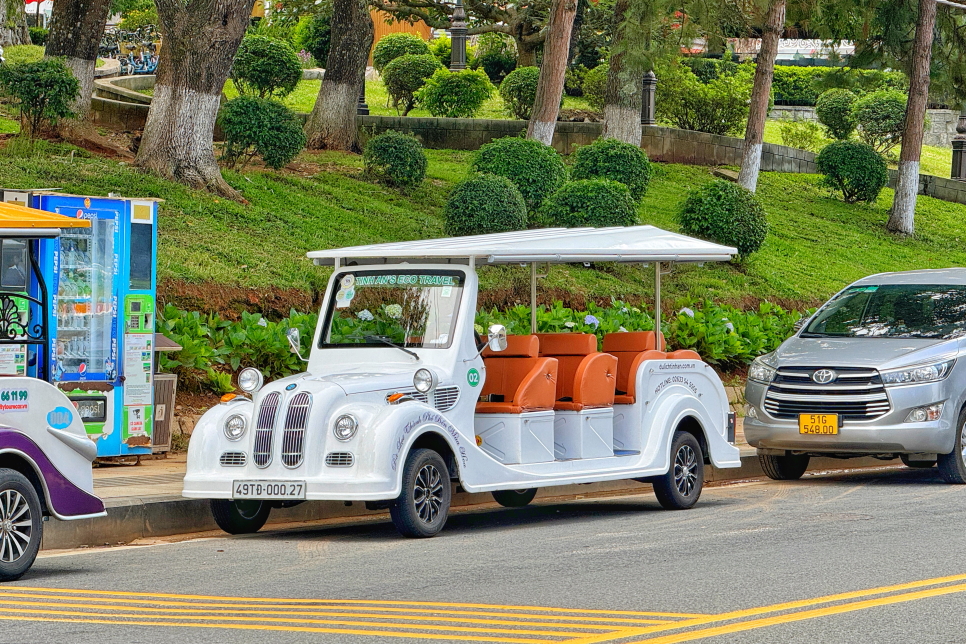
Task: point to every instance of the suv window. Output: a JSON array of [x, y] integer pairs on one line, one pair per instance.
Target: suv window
[[893, 311]]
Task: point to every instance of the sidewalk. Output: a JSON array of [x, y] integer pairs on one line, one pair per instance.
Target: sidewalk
[[145, 501]]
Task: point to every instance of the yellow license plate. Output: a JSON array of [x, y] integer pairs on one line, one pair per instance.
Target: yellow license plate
[[818, 424]]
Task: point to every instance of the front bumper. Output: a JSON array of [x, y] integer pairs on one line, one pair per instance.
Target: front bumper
[[208, 486]]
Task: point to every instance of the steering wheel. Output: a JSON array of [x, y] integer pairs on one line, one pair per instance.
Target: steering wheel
[[480, 342]]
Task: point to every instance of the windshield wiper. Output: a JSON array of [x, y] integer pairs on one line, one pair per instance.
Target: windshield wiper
[[387, 341]]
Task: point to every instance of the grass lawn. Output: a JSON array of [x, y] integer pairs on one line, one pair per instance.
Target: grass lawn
[[816, 243], [934, 161]]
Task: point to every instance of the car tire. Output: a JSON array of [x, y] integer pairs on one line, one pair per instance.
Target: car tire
[[681, 487], [952, 466], [240, 517], [923, 465], [422, 508], [21, 524], [514, 498], [783, 468]]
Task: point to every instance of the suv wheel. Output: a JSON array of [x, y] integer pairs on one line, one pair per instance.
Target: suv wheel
[[783, 468], [952, 466]]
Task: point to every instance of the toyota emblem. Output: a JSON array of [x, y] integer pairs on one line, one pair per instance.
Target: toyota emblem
[[824, 376]]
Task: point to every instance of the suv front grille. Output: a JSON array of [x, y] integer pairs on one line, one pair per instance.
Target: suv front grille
[[293, 437], [444, 398], [265, 429], [854, 394]]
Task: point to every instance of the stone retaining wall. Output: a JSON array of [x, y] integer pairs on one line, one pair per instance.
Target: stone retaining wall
[[940, 127]]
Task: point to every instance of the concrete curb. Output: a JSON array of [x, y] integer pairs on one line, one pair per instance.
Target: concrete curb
[[130, 519]]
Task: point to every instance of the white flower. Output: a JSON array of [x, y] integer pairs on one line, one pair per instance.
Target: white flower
[[730, 327], [262, 322], [623, 309], [622, 330], [364, 314], [394, 311], [688, 312], [569, 325]]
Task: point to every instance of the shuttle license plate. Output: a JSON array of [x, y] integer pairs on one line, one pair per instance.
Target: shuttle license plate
[[268, 490], [818, 423]]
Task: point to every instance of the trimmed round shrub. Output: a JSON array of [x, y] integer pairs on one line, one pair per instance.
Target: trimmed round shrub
[[574, 80], [834, 110], [392, 46], [616, 160], [38, 36], [854, 168], [314, 35], [395, 159], [591, 202], [725, 213], [880, 116], [265, 67], [519, 89], [260, 127], [595, 86], [404, 76], [535, 168], [484, 204], [455, 94], [496, 55], [44, 91], [442, 49]]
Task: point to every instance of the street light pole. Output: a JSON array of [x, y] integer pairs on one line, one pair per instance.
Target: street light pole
[[457, 33]]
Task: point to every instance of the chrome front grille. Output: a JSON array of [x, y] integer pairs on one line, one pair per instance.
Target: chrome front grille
[[265, 429], [444, 398], [339, 459], [854, 394], [233, 459], [293, 436]]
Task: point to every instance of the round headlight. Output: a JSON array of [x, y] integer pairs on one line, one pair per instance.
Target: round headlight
[[235, 427], [345, 427], [250, 380], [424, 380]]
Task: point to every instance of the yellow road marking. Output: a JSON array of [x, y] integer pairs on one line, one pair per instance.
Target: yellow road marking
[[450, 629], [247, 608], [803, 615], [358, 601]]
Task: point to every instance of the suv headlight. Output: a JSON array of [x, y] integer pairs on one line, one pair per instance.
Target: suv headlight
[[424, 381], [345, 427], [918, 374], [235, 426], [761, 372], [250, 380]]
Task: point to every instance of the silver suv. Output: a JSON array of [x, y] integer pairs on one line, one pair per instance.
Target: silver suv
[[875, 372]]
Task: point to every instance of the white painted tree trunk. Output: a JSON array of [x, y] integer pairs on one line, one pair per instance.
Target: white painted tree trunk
[[550, 85], [902, 218], [83, 71], [625, 86], [623, 123]]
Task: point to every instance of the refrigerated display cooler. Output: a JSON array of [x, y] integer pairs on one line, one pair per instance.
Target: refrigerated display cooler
[[102, 282]]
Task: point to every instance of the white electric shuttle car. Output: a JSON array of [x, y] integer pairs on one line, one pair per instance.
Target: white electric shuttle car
[[402, 398]]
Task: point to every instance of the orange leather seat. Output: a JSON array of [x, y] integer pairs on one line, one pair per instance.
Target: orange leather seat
[[586, 377], [683, 354], [631, 349], [525, 381]]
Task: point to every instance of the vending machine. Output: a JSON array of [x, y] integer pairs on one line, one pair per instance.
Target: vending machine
[[102, 283]]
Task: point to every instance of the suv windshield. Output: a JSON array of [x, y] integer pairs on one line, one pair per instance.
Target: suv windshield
[[893, 311], [406, 308]]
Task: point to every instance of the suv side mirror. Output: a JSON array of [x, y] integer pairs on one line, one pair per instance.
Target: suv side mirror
[[800, 324], [294, 342], [496, 338]]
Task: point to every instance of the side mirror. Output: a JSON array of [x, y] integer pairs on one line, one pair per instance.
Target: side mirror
[[496, 338], [294, 342], [800, 324]]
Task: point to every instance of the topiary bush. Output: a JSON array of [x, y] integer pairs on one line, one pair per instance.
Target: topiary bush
[[519, 90], [834, 110], [314, 35], [455, 94], [595, 87], [804, 135], [392, 46], [442, 49], [725, 213], [265, 67], [574, 80], [719, 106], [43, 90], [616, 160], [591, 202], [496, 55], [854, 168], [794, 85], [395, 159], [880, 116], [260, 127], [535, 168], [404, 76], [484, 204], [38, 36]]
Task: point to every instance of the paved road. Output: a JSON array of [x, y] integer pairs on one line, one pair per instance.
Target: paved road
[[864, 557]]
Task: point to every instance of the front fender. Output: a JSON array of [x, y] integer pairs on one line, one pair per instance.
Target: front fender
[[208, 438]]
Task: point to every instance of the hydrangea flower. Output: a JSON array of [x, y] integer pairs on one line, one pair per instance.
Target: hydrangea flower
[[730, 327], [590, 319], [622, 330], [623, 309], [688, 312], [365, 315], [394, 311]]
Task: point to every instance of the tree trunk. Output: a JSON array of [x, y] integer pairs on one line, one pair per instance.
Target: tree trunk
[[760, 94], [13, 23], [550, 86], [902, 217], [200, 41], [332, 124], [76, 27], [625, 85], [527, 53]]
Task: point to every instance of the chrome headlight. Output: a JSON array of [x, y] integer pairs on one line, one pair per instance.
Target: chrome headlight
[[761, 372], [235, 427], [918, 374], [345, 427], [250, 380], [424, 381]]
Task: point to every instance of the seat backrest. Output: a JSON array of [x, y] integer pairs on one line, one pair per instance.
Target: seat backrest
[[626, 347], [683, 354], [569, 349], [519, 375]]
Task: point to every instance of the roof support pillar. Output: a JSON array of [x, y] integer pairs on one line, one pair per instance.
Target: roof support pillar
[[657, 305], [533, 298]]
